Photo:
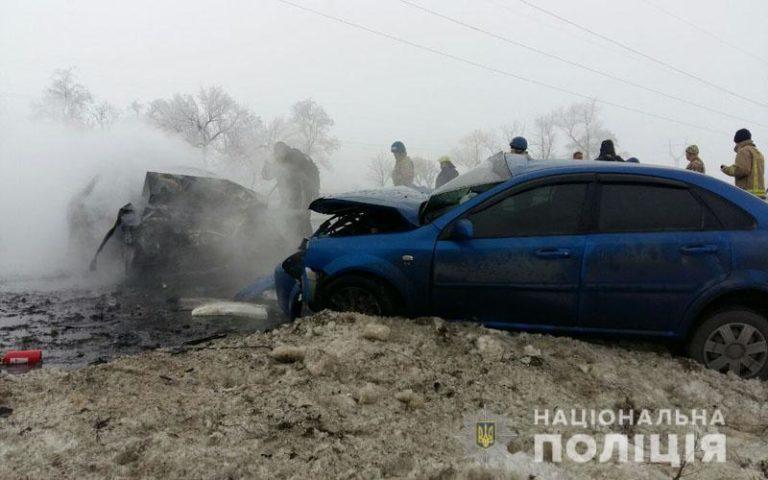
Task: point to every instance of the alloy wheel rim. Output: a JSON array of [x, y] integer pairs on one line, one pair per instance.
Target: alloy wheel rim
[[736, 347]]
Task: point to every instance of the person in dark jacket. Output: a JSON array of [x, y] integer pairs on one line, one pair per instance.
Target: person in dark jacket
[[298, 183], [608, 152], [447, 172]]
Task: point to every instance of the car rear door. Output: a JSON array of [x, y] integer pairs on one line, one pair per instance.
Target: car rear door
[[523, 262], [655, 245]]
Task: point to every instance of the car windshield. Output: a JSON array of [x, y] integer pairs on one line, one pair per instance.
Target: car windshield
[[487, 175]]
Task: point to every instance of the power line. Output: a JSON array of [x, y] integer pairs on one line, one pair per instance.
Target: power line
[[706, 32], [644, 55], [573, 63], [548, 23], [493, 69]]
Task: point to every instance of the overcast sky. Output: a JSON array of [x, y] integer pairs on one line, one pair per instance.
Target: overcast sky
[[268, 55]]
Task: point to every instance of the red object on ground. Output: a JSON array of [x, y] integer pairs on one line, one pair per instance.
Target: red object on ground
[[23, 357]]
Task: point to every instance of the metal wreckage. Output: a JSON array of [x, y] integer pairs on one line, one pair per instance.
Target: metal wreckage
[[188, 226]]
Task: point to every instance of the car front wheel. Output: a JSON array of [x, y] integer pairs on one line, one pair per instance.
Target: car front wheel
[[733, 340], [357, 293]]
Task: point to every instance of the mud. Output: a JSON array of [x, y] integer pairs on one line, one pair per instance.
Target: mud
[[350, 396], [78, 326]]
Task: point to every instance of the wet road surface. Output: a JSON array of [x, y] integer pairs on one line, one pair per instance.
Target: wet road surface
[[82, 326]]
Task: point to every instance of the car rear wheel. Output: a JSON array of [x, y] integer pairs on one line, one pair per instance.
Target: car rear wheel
[[356, 293], [733, 340]]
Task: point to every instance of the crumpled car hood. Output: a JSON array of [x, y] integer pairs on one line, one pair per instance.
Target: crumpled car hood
[[403, 200]]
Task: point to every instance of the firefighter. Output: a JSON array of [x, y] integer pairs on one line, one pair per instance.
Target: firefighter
[[447, 172], [694, 162], [749, 168], [403, 173], [298, 183]]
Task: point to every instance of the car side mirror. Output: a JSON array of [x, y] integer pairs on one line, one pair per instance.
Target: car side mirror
[[463, 230]]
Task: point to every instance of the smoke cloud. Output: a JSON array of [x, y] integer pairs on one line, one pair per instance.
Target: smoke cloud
[[45, 165]]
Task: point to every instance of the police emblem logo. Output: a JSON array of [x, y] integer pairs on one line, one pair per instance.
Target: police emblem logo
[[485, 437], [485, 434]]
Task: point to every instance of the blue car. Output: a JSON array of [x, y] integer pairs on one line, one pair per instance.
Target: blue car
[[569, 247]]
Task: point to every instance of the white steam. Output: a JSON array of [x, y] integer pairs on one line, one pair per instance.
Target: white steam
[[42, 166]]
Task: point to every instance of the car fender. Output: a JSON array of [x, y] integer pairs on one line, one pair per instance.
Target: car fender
[[736, 281], [372, 265], [287, 289], [294, 307]]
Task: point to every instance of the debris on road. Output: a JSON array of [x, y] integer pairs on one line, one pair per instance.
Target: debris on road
[[231, 309], [195, 227], [78, 327], [22, 357]]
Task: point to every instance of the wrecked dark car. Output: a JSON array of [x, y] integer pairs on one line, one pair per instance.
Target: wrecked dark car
[[193, 226], [574, 247]]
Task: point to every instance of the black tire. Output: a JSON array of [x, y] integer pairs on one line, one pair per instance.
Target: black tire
[[360, 294], [733, 339]]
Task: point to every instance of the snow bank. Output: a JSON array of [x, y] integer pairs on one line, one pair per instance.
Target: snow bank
[[360, 401]]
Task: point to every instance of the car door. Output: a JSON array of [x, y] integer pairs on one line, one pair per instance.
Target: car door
[[655, 245], [522, 264]]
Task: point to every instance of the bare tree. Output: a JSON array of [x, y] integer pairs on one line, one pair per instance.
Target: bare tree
[[243, 140], [203, 120], [137, 108], [677, 154], [247, 145], [544, 136], [425, 171], [475, 147], [103, 115], [583, 128], [510, 131], [312, 126], [279, 129], [65, 100], [380, 169]]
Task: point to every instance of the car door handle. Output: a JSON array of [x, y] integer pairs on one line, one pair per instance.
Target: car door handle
[[698, 249], [553, 253]]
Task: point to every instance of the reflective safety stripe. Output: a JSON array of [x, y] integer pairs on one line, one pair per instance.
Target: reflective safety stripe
[[756, 190]]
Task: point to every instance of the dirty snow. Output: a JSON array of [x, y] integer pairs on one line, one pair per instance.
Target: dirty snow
[[350, 396]]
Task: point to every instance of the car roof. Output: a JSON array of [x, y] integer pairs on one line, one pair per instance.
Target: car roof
[[590, 166]]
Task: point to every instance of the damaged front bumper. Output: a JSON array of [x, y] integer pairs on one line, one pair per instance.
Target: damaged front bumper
[[288, 284]]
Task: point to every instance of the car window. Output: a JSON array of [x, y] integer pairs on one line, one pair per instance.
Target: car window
[[546, 210], [650, 208], [488, 174], [731, 217]]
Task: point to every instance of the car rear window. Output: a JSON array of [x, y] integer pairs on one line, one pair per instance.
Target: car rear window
[[731, 216], [628, 207]]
